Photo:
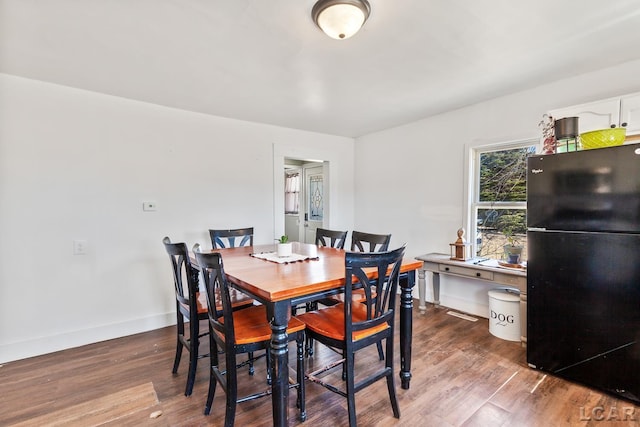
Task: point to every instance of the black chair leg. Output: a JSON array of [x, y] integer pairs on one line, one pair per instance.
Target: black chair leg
[[344, 371], [194, 344], [191, 378], [309, 346], [210, 394], [251, 368], [179, 345], [351, 395], [213, 362], [392, 396], [232, 391], [390, 381], [310, 306], [176, 361]]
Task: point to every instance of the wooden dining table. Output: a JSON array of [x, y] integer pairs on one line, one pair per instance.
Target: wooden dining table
[[281, 285]]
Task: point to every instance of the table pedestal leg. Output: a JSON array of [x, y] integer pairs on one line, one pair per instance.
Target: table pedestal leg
[[406, 328], [279, 315]]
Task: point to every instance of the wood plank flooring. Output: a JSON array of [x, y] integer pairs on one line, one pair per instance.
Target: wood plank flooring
[[109, 408], [462, 376]]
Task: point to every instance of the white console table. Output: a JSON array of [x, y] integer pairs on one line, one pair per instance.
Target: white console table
[[487, 270]]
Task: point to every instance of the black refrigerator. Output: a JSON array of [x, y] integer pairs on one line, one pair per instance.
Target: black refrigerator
[[583, 267]]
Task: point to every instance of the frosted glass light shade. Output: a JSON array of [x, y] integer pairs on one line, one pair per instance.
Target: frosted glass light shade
[[340, 19]]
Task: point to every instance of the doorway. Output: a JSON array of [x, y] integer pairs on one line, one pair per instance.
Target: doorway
[[304, 195], [329, 159]]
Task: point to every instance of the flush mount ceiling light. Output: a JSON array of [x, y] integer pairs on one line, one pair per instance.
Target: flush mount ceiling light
[[340, 19]]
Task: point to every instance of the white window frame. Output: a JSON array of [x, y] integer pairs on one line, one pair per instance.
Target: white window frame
[[292, 193], [472, 183]]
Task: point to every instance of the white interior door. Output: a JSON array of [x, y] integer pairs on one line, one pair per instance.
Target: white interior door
[[314, 193]]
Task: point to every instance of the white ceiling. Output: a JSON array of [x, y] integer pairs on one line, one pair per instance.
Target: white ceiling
[[265, 60]]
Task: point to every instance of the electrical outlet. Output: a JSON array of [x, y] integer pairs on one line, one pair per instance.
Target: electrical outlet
[[149, 206], [79, 247]]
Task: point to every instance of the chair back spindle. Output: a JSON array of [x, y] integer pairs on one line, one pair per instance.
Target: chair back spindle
[[227, 238], [331, 238], [369, 242]]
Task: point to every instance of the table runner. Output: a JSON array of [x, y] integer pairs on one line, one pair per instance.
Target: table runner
[[273, 257]]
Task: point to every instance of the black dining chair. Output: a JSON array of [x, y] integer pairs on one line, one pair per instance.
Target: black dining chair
[[363, 242], [188, 306], [238, 332], [191, 305], [227, 238], [331, 238], [369, 242], [231, 238], [326, 238], [351, 326]]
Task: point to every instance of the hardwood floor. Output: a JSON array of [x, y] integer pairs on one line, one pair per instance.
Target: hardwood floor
[[462, 376]]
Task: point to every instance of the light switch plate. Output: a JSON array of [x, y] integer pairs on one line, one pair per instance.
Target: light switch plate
[[149, 206]]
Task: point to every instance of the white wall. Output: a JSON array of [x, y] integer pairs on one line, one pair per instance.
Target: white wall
[[409, 180], [78, 165]]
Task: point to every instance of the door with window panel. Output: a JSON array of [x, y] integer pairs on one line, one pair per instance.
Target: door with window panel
[[314, 201]]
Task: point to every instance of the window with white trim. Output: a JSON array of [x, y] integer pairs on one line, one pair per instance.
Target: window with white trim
[[292, 192], [497, 197]]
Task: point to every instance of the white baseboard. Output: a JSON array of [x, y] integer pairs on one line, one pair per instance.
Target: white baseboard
[[465, 306], [43, 345]]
